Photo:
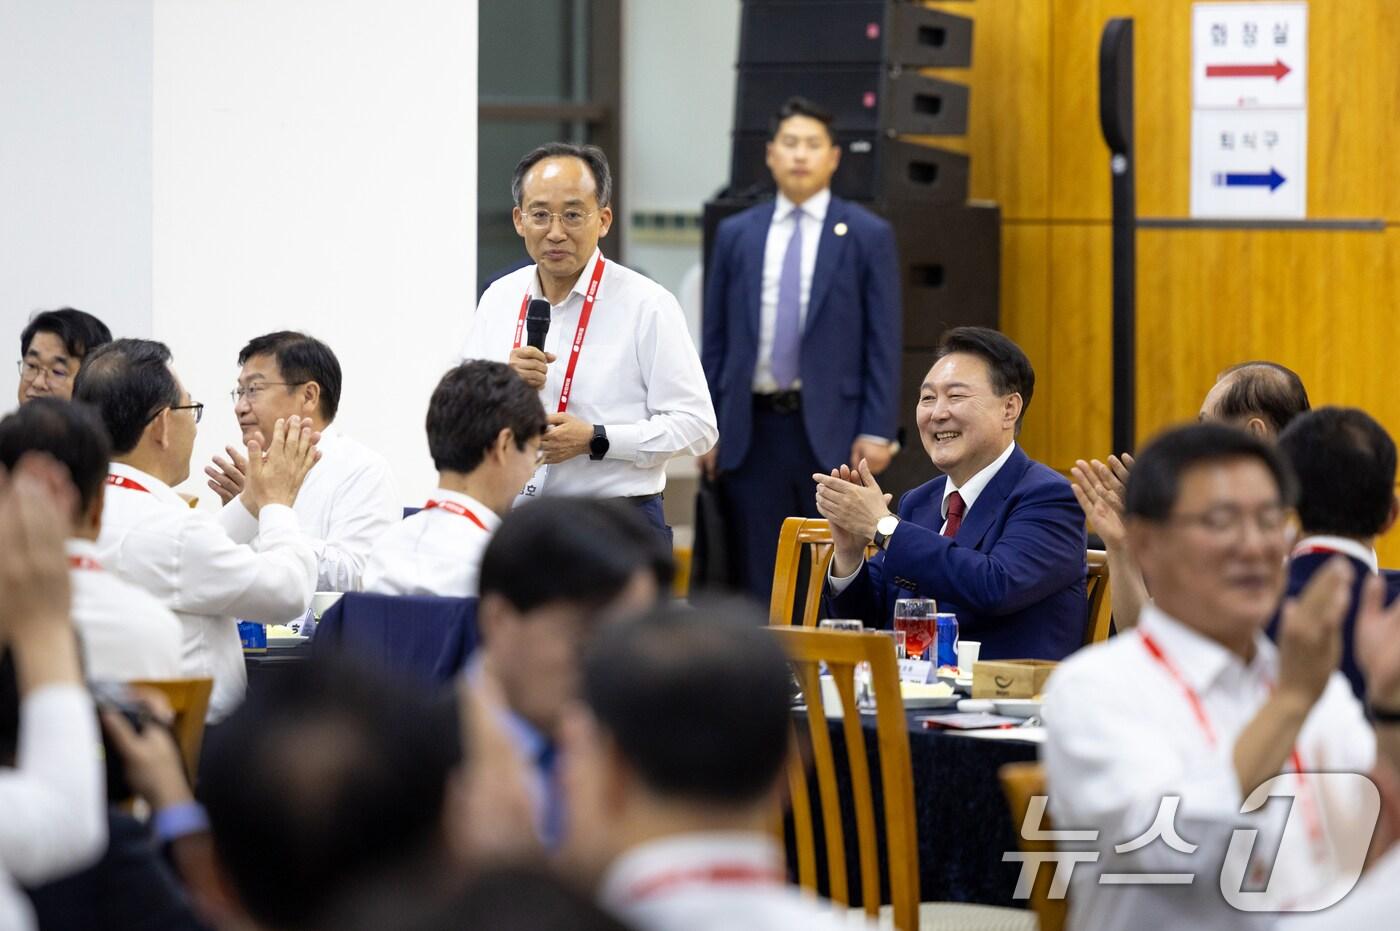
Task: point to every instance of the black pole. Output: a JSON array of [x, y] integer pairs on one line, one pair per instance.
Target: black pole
[[1116, 120]]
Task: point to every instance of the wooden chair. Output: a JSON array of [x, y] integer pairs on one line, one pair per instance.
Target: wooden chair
[[1100, 621], [189, 699], [1021, 782], [801, 534], [841, 651]]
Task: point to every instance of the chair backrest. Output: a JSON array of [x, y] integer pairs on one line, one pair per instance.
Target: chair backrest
[[189, 699], [1100, 621], [1022, 783], [842, 651], [800, 534], [421, 637]]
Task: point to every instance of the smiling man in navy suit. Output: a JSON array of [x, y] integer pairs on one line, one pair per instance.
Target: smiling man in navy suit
[[998, 539], [801, 342]]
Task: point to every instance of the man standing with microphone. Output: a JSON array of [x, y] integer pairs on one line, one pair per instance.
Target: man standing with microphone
[[801, 342], [606, 347]]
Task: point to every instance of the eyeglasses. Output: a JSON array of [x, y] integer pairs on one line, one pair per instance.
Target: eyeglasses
[[1229, 520], [197, 408], [253, 391], [571, 219], [28, 371]]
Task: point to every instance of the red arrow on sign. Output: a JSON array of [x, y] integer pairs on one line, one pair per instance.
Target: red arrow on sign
[[1276, 71]]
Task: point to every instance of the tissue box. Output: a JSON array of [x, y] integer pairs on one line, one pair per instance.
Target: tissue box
[[1010, 678]]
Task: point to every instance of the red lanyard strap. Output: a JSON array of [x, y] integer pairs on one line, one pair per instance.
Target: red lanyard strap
[[121, 481], [452, 507], [579, 333], [720, 874], [83, 562]]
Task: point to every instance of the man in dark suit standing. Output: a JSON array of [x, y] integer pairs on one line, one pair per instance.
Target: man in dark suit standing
[[998, 539], [1345, 463], [800, 344]]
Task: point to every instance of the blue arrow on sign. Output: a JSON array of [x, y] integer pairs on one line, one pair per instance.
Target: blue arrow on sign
[[1232, 179]]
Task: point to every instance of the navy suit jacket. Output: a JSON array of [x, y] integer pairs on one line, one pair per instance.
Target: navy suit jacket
[[1014, 575], [1301, 569], [850, 339]]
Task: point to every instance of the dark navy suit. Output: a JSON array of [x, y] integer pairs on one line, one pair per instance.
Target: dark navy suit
[[849, 368], [1301, 569], [1014, 574]]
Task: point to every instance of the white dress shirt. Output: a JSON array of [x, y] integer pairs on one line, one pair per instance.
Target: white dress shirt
[[433, 552], [714, 881], [774, 251], [188, 562], [125, 632], [349, 499], [970, 490], [1122, 734], [638, 375], [53, 804]]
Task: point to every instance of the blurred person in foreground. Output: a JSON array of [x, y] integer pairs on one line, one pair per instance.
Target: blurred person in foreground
[[484, 428], [1345, 463], [52, 804], [330, 789], [1195, 712], [125, 632], [152, 538], [1261, 398], [674, 760], [52, 348], [349, 499], [556, 572]]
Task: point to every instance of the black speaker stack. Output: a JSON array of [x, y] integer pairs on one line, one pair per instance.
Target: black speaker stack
[[860, 59]]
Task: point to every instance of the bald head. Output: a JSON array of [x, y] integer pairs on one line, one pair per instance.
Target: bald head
[[1261, 397]]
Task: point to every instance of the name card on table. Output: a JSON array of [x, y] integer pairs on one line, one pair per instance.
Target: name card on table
[[917, 670]]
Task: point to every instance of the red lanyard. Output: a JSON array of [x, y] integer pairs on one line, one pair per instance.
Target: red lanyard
[[452, 507], [1197, 708], [579, 333], [83, 562], [121, 481], [720, 874]]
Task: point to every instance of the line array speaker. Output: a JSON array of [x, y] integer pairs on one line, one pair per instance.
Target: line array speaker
[[836, 32], [873, 167]]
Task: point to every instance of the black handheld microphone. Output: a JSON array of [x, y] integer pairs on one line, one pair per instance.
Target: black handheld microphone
[[537, 323]]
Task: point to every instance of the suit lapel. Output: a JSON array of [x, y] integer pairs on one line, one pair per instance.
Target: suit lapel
[[829, 250], [988, 505], [755, 244]]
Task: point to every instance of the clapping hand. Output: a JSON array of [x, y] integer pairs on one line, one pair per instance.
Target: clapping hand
[[275, 477], [228, 477], [1101, 490], [1310, 632], [1378, 644]]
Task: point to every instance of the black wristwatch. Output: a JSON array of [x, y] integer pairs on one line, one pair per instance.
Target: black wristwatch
[[598, 446]]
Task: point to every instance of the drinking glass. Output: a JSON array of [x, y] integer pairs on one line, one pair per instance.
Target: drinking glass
[[917, 617]]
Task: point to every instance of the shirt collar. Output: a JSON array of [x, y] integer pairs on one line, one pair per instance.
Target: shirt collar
[[814, 206], [1199, 659], [580, 288], [974, 486], [490, 518], [1343, 545], [697, 850], [158, 489]]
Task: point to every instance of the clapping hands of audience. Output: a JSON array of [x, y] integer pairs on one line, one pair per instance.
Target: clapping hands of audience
[[228, 476], [852, 501], [1101, 490], [274, 476], [1310, 632], [33, 567]]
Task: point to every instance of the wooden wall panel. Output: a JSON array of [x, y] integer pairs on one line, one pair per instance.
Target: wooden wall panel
[[1078, 375], [1025, 317], [1009, 124]]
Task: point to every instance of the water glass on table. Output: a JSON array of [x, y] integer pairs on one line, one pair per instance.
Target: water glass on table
[[918, 618], [865, 693]]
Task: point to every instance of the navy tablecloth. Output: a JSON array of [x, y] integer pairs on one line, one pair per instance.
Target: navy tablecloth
[[964, 824]]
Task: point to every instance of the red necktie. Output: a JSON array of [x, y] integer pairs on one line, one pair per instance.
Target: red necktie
[[956, 509]]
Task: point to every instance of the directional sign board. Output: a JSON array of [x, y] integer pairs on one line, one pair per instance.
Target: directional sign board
[[1249, 110]]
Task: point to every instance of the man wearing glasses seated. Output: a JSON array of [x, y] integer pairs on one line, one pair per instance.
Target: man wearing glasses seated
[[153, 539], [620, 381], [350, 499], [51, 349]]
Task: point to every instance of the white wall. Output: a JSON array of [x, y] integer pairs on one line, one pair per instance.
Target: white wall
[[677, 113], [315, 168], [75, 165]]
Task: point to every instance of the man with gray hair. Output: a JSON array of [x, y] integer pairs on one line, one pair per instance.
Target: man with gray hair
[[621, 381]]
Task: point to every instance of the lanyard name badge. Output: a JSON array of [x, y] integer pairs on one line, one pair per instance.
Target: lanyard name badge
[[534, 488]]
